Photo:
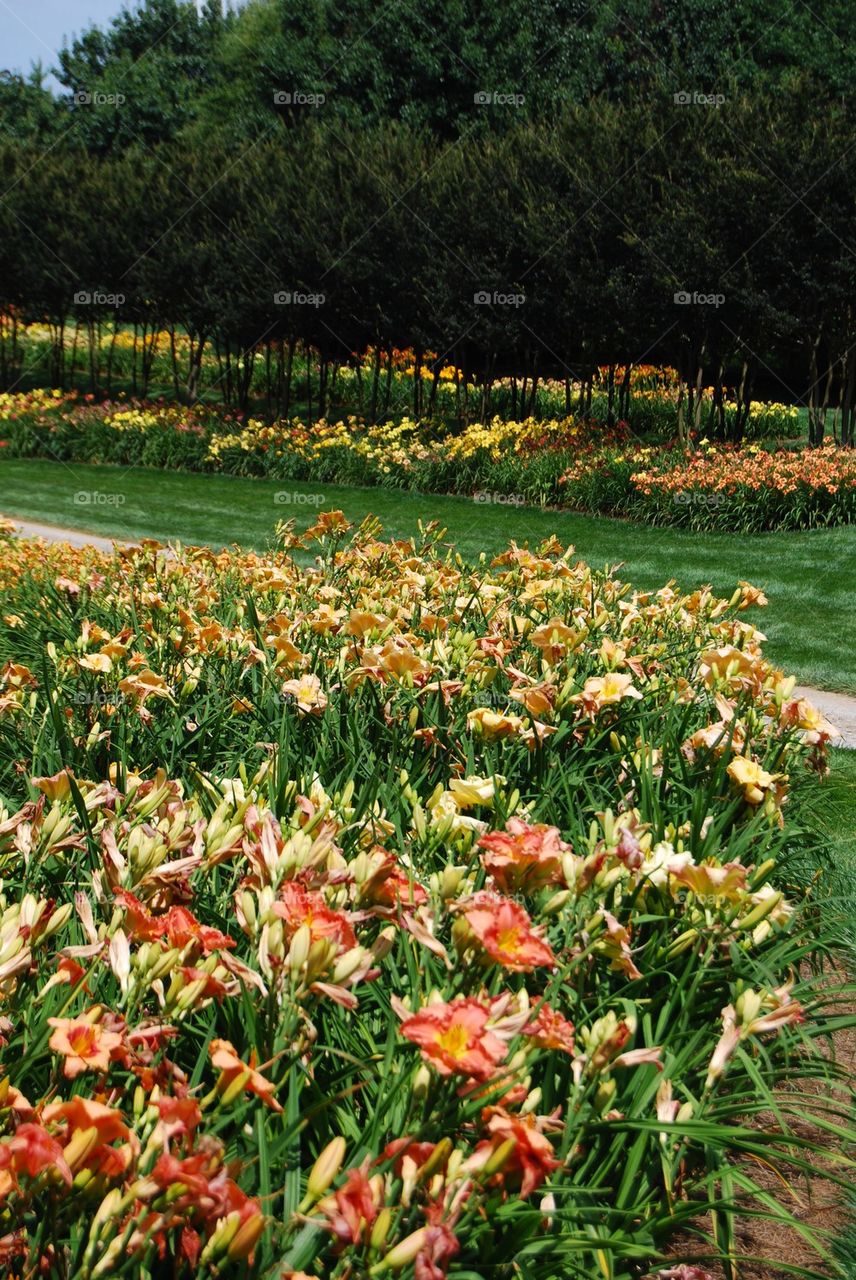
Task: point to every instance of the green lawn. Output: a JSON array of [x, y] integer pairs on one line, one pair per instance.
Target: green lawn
[[810, 578], [828, 809]]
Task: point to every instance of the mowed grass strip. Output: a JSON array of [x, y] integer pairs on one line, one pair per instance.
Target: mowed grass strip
[[810, 578]]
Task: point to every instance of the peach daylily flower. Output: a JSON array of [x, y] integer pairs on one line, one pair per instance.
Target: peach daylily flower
[[752, 1014], [86, 1046], [57, 787], [801, 714], [493, 725], [523, 857], [224, 1057], [714, 880], [555, 638], [606, 691], [506, 933], [85, 1113], [454, 1038], [307, 694], [752, 780], [143, 685]]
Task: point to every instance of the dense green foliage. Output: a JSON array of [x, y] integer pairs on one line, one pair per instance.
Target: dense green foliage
[[501, 256], [585, 163]]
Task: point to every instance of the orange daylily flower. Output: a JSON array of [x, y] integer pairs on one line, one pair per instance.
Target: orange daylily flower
[[454, 1038], [298, 907], [86, 1113], [505, 932], [550, 1030], [224, 1056], [31, 1150], [523, 857], [530, 1160], [351, 1211], [86, 1046]]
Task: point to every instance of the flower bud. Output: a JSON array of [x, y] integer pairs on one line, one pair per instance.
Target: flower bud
[[80, 1147], [248, 906], [326, 1167], [59, 918], [421, 1081], [245, 1238], [298, 952], [380, 1230], [404, 1252], [383, 943], [759, 912], [235, 1089], [500, 1157]]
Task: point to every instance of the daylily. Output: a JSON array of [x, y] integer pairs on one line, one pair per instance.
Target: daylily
[[469, 792], [751, 1014], [351, 1211], [605, 691], [31, 1150], [752, 780], [86, 1046], [225, 1058], [524, 857], [307, 693], [530, 1157], [550, 1030], [493, 725], [505, 932], [86, 1113], [454, 1038]]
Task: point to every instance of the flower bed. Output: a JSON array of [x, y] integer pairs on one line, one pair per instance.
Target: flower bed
[[388, 915], [746, 490], [555, 462]]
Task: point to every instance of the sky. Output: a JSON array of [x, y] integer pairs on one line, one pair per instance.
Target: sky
[[33, 29]]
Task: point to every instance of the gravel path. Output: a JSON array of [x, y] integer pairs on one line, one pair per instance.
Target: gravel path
[[839, 708], [52, 533]]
